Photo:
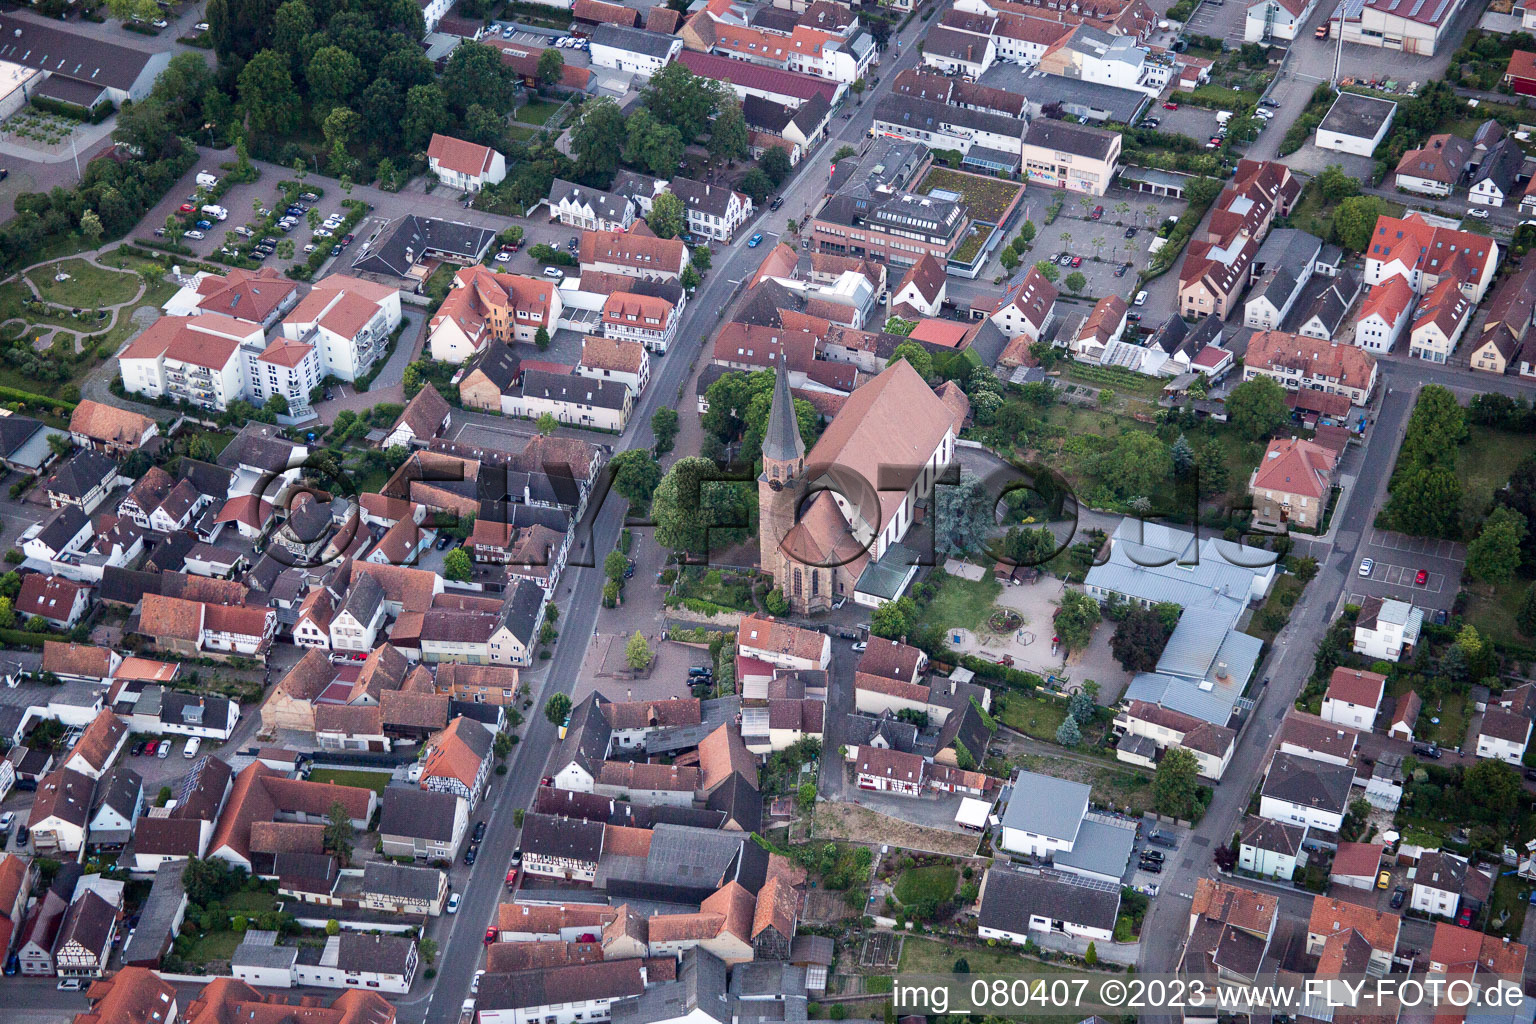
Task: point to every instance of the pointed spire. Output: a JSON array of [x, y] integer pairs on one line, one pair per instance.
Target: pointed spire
[[781, 439]]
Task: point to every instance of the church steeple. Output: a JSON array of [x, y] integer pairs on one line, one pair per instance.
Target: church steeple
[[783, 450]]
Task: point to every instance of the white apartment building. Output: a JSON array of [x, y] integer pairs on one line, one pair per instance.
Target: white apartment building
[[348, 321]]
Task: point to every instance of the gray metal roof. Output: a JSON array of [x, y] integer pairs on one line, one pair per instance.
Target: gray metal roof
[[152, 937], [1204, 673], [1101, 848], [1010, 897], [886, 577], [1047, 806], [1161, 563], [1191, 650], [260, 949]]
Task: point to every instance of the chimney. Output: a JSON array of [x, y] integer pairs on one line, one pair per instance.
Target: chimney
[[1221, 671]]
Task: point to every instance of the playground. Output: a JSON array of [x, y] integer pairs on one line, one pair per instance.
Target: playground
[[1017, 627]]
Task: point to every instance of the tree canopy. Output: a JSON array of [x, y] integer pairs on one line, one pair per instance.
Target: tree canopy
[[1257, 408], [695, 510]]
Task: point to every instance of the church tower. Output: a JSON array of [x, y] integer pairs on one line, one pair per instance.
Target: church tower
[[783, 465]]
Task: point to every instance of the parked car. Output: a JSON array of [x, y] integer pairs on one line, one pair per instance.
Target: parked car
[[201, 26], [1384, 879], [187, 207], [1465, 917], [1151, 867], [1441, 617], [554, 273], [860, 646], [1130, 232], [1154, 855], [1398, 895], [470, 853], [1151, 122], [1366, 566], [193, 744], [755, 241], [778, 201], [309, 248], [517, 856], [1098, 212], [195, 235], [1479, 214], [138, 749], [204, 225], [1421, 578], [164, 750], [1271, 104], [1141, 299], [474, 986], [160, 23], [23, 832], [1428, 750], [479, 831], [1170, 105], [490, 935], [1120, 271], [1162, 839], [7, 822], [1077, 261], [453, 904], [503, 257], [700, 670], [309, 197]]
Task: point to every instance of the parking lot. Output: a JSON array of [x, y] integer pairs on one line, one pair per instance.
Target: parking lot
[[1074, 232], [1397, 560], [1198, 123], [243, 202], [1220, 19]]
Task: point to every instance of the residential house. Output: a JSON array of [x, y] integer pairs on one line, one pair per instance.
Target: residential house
[[84, 481], [889, 771], [1276, 19], [115, 810], [484, 306], [98, 746], [1295, 362], [1013, 904], [1386, 629], [1293, 483], [1493, 183], [61, 811], [196, 359], [1356, 865], [563, 848], [1281, 270], [422, 823], [713, 212], [1304, 791], [1105, 326], [632, 254], [1386, 311], [1436, 168], [1026, 310], [261, 794], [591, 209], [1351, 939], [1230, 929], [108, 429], [401, 889], [611, 358], [1506, 729], [57, 601], [464, 165], [457, 760], [581, 401], [86, 935], [557, 995], [1442, 316], [356, 623], [634, 51], [425, 416], [1271, 848], [1439, 882], [348, 321], [1353, 698], [643, 319], [1411, 248]]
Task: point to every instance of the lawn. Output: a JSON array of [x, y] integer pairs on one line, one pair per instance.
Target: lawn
[[1511, 897], [250, 901], [211, 946], [537, 112], [1491, 608], [962, 603], [1484, 463], [929, 956], [1452, 710], [88, 287], [375, 781], [1039, 717], [935, 882], [987, 198]]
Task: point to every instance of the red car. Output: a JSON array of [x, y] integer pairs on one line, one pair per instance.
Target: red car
[[1077, 261], [151, 747], [512, 876], [1098, 211], [1421, 579], [490, 935], [187, 207], [1170, 105], [1465, 917]]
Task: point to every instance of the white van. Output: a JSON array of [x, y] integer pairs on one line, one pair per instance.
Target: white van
[[192, 745], [207, 180], [216, 212], [1223, 116]]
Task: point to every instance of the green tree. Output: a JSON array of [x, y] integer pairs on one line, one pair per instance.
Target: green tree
[[551, 66], [541, 342], [614, 565], [457, 565], [1494, 554], [277, 405], [90, 227], [1257, 408], [426, 114], [676, 96], [1075, 282], [1335, 185], [60, 445], [1176, 784], [757, 184], [915, 354], [557, 707], [1140, 636], [1075, 619], [1091, 956], [475, 74], [1135, 465], [546, 423], [729, 138], [1068, 733], [427, 950], [1202, 191], [7, 613], [598, 138], [637, 652], [635, 475], [334, 76], [1354, 221], [668, 215], [1426, 501], [1214, 474], [775, 163], [894, 619], [965, 517], [338, 833], [133, 10], [699, 258], [695, 510], [653, 145], [1525, 615], [690, 279], [1048, 270], [1493, 787], [664, 429], [1183, 457], [1027, 231], [1009, 259], [267, 94]]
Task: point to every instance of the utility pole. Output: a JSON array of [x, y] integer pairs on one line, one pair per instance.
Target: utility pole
[[1338, 45]]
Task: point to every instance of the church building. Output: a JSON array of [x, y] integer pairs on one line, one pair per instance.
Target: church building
[[831, 523]]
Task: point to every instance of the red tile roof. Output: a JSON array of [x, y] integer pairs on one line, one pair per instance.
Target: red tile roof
[[459, 155], [1296, 466], [1356, 686]]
